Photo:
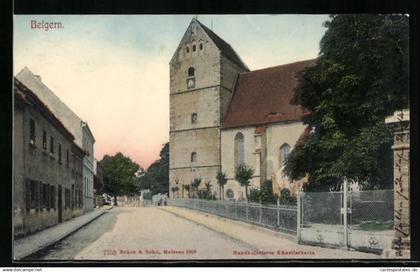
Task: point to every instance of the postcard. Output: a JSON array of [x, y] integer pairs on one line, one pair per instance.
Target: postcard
[[211, 137]]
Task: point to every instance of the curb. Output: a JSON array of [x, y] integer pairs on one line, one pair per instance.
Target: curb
[[36, 250]]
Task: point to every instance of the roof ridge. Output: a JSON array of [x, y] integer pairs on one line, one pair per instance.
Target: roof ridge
[[220, 42], [277, 66], [34, 77]]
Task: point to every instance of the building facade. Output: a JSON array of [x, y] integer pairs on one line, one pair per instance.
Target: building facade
[[83, 136], [223, 115], [47, 166]]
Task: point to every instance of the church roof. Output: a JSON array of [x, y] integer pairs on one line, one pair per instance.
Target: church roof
[[223, 46], [263, 96]]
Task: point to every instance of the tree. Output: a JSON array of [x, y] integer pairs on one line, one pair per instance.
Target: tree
[[195, 184], [208, 189], [243, 174], [359, 78], [188, 188], [156, 177], [221, 180], [174, 189], [118, 172]]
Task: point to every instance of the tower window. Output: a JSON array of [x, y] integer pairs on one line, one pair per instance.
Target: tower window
[[201, 46], [193, 156], [194, 118], [194, 48], [191, 72], [188, 49]]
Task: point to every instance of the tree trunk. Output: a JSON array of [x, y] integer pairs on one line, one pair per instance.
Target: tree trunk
[[246, 192], [115, 200]]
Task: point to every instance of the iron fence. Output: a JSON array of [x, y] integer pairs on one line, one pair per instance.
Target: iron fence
[[276, 217]]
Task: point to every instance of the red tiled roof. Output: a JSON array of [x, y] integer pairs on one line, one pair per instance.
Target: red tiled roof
[[263, 96]]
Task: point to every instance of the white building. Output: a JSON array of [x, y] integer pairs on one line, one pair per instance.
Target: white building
[[79, 128]]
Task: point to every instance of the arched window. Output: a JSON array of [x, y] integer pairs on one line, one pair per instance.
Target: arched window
[[284, 152], [194, 48], [188, 49], [239, 149], [191, 72], [194, 118], [193, 156], [201, 46]]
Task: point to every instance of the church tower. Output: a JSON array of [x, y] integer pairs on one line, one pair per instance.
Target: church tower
[[203, 71]]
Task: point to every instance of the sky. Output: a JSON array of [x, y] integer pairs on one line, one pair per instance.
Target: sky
[[113, 70]]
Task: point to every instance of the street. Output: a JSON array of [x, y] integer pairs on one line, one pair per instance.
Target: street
[[142, 233], [126, 233]]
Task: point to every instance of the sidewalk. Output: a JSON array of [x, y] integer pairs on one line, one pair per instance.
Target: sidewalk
[[263, 239], [30, 244]]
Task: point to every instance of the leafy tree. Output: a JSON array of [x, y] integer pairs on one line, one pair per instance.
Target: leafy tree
[[243, 175], [118, 173], [208, 186], [263, 195], [221, 180], [359, 78], [174, 189], [156, 177], [286, 198], [195, 184], [188, 188]]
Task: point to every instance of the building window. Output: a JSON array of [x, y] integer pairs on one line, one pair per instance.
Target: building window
[[188, 49], [59, 154], [239, 149], [72, 196], [194, 118], [191, 72], [66, 198], [52, 197], [193, 156], [44, 140], [52, 145], [45, 200], [32, 131], [201, 46], [194, 48], [67, 158], [284, 152]]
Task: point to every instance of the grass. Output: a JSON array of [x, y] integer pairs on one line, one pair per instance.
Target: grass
[[375, 226]]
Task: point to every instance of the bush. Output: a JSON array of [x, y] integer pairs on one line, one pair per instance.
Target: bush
[[287, 199]]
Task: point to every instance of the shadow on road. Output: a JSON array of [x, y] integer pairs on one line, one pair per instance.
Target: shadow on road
[[70, 246]]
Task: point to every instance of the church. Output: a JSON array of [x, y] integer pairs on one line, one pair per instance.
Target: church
[[223, 115]]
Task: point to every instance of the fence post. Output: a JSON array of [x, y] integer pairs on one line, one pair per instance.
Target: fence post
[[260, 219], [236, 209], [278, 212], [345, 212], [298, 216], [246, 210]]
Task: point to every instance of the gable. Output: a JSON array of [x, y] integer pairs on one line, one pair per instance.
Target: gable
[[223, 47]]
